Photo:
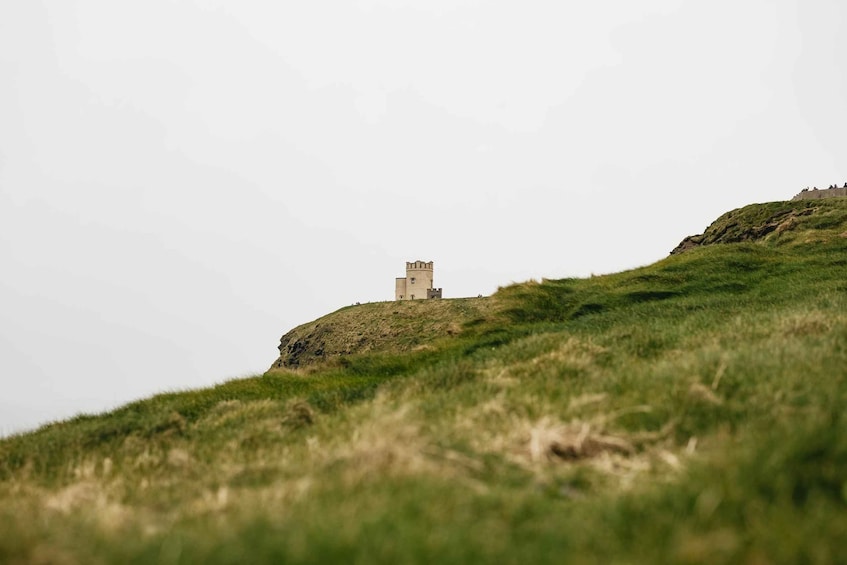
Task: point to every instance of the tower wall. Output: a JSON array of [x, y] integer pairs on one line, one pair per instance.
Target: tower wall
[[400, 288], [419, 278], [823, 193]]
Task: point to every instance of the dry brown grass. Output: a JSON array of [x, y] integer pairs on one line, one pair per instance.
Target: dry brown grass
[[808, 323]]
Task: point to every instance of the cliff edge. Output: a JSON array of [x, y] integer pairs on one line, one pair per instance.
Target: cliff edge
[[780, 222]]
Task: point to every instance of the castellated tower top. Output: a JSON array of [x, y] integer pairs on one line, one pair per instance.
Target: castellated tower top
[[418, 282]]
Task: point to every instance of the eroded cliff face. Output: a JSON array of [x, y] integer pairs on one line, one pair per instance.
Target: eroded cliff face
[[306, 347], [383, 326], [759, 222]]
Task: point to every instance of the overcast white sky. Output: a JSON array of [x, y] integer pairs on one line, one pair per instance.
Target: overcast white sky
[[181, 182]]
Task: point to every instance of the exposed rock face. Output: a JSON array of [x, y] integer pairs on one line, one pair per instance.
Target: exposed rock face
[[312, 343], [295, 346], [689, 242], [749, 224]]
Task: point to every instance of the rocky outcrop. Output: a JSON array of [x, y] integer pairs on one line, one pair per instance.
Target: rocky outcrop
[[751, 223], [297, 347]]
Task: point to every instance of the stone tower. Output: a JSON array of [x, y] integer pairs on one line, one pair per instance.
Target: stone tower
[[417, 284]]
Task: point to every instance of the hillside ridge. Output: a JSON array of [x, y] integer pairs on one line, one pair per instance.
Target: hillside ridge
[[769, 221], [687, 411], [403, 326]]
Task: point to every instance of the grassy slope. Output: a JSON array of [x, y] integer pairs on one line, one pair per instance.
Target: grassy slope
[[691, 411]]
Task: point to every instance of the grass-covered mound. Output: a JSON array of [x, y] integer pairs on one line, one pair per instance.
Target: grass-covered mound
[[782, 223], [691, 411], [396, 327]]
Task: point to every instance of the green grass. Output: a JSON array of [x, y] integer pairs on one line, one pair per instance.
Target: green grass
[[690, 411]]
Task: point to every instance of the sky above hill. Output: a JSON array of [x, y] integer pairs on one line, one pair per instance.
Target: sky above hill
[[183, 182]]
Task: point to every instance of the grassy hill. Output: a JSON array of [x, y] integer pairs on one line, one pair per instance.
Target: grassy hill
[[690, 411], [406, 326]]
